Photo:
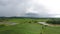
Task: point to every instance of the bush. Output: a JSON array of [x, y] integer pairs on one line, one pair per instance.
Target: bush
[[2, 25], [3, 19], [35, 21], [53, 21], [29, 21]]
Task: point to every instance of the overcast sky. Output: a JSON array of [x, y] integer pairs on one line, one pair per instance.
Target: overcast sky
[[42, 8]]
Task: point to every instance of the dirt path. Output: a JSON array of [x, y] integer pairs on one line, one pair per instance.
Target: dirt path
[[44, 23], [9, 23]]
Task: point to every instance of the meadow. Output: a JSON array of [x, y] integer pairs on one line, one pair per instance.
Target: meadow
[[26, 26]]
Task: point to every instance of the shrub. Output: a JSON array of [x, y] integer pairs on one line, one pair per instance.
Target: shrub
[[2, 25], [29, 21], [35, 21], [53, 21]]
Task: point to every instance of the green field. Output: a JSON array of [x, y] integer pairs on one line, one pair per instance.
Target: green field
[[27, 26]]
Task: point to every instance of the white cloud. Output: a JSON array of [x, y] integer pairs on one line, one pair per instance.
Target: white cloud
[[52, 5]]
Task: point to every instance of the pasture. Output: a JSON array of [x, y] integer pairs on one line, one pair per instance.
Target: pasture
[[26, 26]]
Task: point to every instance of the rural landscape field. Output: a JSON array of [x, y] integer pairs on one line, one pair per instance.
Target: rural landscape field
[[18, 25], [29, 16]]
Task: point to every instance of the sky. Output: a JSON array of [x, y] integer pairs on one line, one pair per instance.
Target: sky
[[40, 8]]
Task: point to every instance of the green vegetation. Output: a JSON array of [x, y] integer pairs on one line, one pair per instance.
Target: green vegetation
[[27, 26], [54, 21]]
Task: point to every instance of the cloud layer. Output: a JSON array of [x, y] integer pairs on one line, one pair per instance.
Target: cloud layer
[[22, 7], [11, 7]]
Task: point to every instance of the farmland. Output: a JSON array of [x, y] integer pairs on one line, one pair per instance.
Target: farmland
[[26, 26]]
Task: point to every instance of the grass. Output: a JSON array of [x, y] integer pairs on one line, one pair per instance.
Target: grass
[[24, 27], [21, 29], [52, 30]]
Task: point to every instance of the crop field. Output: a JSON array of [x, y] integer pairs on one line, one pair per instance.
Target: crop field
[[26, 26]]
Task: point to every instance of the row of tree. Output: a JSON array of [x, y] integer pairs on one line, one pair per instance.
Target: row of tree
[[54, 21]]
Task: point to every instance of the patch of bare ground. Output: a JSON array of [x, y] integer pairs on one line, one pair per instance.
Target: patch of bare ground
[[8, 23], [44, 23]]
